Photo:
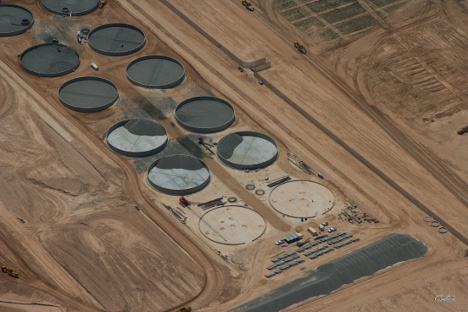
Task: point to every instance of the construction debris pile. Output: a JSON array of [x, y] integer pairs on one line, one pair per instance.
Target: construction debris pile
[[353, 214], [300, 164]]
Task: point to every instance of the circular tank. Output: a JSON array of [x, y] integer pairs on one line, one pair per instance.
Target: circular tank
[[75, 7], [14, 20], [50, 60], [156, 71], [178, 175], [88, 94], [247, 150], [205, 114], [116, 39], [232, 225], [137, 137], [302, 199]]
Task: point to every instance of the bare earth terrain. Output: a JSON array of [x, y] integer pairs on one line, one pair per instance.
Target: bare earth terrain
[[374, 106]]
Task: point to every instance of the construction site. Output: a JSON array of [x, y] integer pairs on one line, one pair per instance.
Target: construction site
[[263, 155]]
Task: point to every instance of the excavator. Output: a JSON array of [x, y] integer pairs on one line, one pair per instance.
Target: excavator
[[10, 272], [248, 5], [102, 4], [300, 47], [463, 130]]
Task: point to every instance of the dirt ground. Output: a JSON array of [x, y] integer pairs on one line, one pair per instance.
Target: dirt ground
[[375, 113]]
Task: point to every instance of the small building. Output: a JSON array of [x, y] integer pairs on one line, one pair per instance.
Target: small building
[[312, 231], [293, 237]]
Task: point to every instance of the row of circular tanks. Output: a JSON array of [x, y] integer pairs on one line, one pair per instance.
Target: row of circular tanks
[[174, 174]]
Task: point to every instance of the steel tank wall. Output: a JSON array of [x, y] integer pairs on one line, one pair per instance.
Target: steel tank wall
[[206, 129], [178, 192], [62, 73], [84, 11], [133, 154], [173, 84], [88, 110], [22, 30], [255, 166], [116, 53]]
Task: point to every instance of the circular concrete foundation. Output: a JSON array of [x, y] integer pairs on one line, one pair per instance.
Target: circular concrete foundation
[[14, 20], [302, 199], [178, 175], [49, 60], [137, 137], [116, 39], [247, 150], [88, 94], [232, 225], [75, 7], [205, 114], [156, 71]]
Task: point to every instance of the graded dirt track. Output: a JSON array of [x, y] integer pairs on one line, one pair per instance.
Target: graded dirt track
[[70, 225]]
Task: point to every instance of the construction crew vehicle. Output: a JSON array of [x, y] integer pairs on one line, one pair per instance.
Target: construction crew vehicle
[[10, 272], [463, 130], [300, 47], [185, 309], [248, 5], [102, 4]]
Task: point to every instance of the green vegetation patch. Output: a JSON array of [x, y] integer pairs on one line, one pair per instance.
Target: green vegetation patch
[[306, 24], [328, 35], [285, 4], [295, 14], [356, 24], [343, 13], [325, 5], [381, 3]]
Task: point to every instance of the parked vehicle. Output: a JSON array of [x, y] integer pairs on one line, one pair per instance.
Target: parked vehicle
[[330, 230], [280, 242]]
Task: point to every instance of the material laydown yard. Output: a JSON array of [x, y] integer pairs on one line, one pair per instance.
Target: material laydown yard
[[374, 106]]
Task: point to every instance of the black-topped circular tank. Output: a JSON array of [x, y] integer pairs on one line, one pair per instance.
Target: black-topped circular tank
[[75, 7], [116, 39], [247, 150], [88, 94], [205, 114], [137, 137], [50, 60], [156, 71], [14, 20], [178, 175]]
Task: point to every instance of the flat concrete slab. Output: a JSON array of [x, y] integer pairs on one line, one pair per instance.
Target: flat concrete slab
[[137, 137], [302, 199], [75, 7], [232, 225], [205, 114], [116, 39], [50, 60], [178, 175], [156, 71], [88, 94], [247, 150], [14, 20]]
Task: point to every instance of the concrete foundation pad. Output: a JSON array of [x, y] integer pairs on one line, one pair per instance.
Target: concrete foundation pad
[[232, 225], [302, 198]]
